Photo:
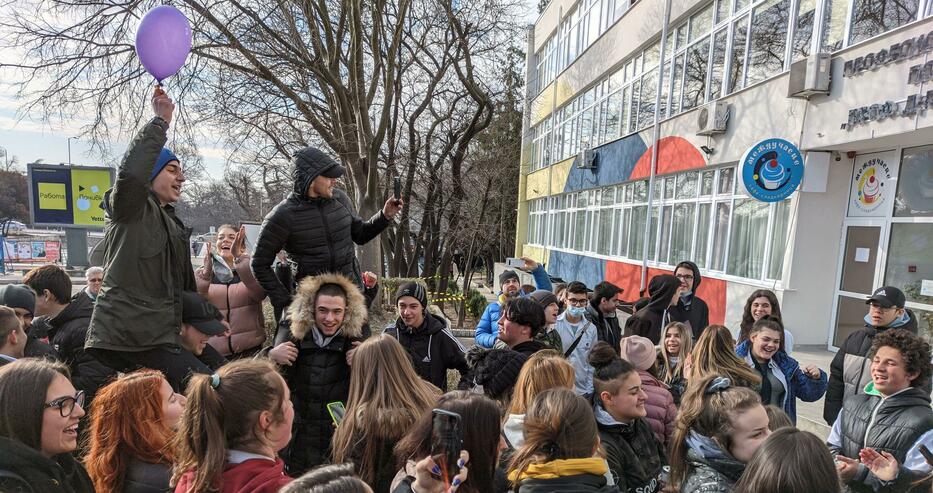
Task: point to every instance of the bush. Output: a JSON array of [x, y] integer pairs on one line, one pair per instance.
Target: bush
[[475, 303]]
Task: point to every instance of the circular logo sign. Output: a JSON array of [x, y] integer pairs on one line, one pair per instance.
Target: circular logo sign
[[869, 182], [772, 169]]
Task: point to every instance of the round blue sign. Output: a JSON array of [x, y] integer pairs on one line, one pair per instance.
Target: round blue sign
[[772, 169]]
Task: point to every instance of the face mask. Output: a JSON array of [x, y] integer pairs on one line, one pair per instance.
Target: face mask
[[576, 311]]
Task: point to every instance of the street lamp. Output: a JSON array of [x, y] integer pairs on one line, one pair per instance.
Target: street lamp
[[69, 149]]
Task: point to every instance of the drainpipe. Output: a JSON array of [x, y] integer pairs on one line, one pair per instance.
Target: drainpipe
[[654, 146]]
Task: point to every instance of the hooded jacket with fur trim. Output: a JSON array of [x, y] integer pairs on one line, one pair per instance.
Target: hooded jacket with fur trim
[[320, 373]]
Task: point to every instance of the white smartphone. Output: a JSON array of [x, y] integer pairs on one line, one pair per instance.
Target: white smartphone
[[252, 234], [514, 262]]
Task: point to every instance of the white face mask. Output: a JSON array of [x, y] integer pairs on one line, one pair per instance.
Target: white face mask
[[576, 311]]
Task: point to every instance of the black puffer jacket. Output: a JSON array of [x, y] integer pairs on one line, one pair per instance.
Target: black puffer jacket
[[692, 309], [849, 371], [635, 457], [67, 332], [651, 320], [433, 349], [607, 328], [25, 470], [320, 374], [317, 234], [145, 477], [893, 425]]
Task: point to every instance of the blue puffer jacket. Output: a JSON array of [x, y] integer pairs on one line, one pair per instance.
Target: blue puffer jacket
[[797, 384], [488, 327]]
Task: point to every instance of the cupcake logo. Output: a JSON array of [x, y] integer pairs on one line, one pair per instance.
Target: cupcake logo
[[869, 184], [772, 169]]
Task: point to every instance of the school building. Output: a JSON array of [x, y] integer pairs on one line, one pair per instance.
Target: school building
[[638, 114]]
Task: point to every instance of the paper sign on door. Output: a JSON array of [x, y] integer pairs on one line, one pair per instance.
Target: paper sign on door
[[862, 254]]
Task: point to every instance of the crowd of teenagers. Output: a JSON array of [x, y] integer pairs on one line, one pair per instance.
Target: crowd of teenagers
[[157, 377]]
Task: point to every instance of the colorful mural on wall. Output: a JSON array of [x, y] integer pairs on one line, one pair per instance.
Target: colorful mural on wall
[[620, 161]]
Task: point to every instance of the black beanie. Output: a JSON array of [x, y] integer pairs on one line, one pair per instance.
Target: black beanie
[[414, 290], [506, 275], [18, 296], [544, 297], [498, 371]]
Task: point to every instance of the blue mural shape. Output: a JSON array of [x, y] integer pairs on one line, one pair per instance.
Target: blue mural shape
[[772, 169], [572, 267], [617, 160]]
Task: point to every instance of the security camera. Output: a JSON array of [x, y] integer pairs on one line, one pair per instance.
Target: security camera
[[707, 150]]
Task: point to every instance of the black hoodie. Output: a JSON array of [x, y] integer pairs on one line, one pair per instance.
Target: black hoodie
[[432, 347], [317, 234], [650, 320], [691, 308], [24, 469]]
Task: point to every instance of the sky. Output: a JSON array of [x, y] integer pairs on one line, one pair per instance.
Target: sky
[[29, 139]]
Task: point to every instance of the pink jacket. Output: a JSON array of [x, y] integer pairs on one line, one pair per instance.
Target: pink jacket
[[662, 414], [239, 302]]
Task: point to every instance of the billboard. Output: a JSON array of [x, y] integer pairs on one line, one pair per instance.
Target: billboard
[[68, 195]]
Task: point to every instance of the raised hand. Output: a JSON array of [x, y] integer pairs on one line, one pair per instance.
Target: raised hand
[[162, 105], [239, 243], [284, 354], [881, 464], [206, 271], [392, 207]]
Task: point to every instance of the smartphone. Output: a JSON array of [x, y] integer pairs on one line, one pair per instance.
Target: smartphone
[[514, 262], [446, 443], [252, 234], [398, 188], [337, 411]]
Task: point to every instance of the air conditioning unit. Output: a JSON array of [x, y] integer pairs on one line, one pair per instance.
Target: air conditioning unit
[[713, 118], [809, 77], [586, 159]]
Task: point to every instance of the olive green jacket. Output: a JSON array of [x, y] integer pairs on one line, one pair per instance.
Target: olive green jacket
[[147, 263]]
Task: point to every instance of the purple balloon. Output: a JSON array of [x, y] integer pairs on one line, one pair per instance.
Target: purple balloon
[[163, 41]]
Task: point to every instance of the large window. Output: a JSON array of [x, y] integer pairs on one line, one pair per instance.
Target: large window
[[873, 17], [696, 215], [723, 47]]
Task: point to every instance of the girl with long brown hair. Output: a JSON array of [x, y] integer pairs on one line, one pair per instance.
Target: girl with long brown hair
[[719, 428], [673, 352], [561, 443], [386, 397], [714, 354], [480, 428], [234, 424], [762, 303], [133, 421]]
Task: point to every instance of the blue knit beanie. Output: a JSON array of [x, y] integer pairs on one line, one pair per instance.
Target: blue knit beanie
[[165, 157]]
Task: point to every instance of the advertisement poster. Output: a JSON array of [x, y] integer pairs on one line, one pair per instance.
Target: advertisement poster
[[52, 251], [68, 195], [23, 250], [38, 249]]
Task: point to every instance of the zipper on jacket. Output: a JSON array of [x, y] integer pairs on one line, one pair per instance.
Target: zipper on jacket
[[871, 422], [328, 239]]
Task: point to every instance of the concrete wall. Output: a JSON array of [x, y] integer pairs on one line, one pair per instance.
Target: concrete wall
[[809, 289]]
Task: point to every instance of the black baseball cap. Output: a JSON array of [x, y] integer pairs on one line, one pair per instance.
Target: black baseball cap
[[887, 297], [201, 314]]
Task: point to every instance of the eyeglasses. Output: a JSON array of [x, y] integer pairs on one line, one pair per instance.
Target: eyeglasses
[[685, 277], [574, 302], [66, 405]]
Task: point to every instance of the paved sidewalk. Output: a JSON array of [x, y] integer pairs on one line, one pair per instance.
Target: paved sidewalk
[[810, 414]]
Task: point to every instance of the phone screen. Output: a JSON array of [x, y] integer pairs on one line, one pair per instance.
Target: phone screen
[[252, 234], [514, 262], [337, 411], [446, 443], [398, 189]]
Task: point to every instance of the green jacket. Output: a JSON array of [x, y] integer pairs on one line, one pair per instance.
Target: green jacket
[[147, 263]]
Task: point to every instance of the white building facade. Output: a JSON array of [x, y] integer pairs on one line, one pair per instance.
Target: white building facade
[[626, 170]]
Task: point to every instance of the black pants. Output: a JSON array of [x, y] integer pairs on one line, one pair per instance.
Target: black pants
[[176, 366]]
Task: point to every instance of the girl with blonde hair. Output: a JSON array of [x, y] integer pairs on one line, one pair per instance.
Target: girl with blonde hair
[[675, 348], [714, 354]]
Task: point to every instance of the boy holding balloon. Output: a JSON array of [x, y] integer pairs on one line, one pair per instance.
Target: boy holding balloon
[[138, 314]]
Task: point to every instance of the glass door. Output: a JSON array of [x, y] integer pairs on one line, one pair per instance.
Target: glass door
[[862, 254]]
